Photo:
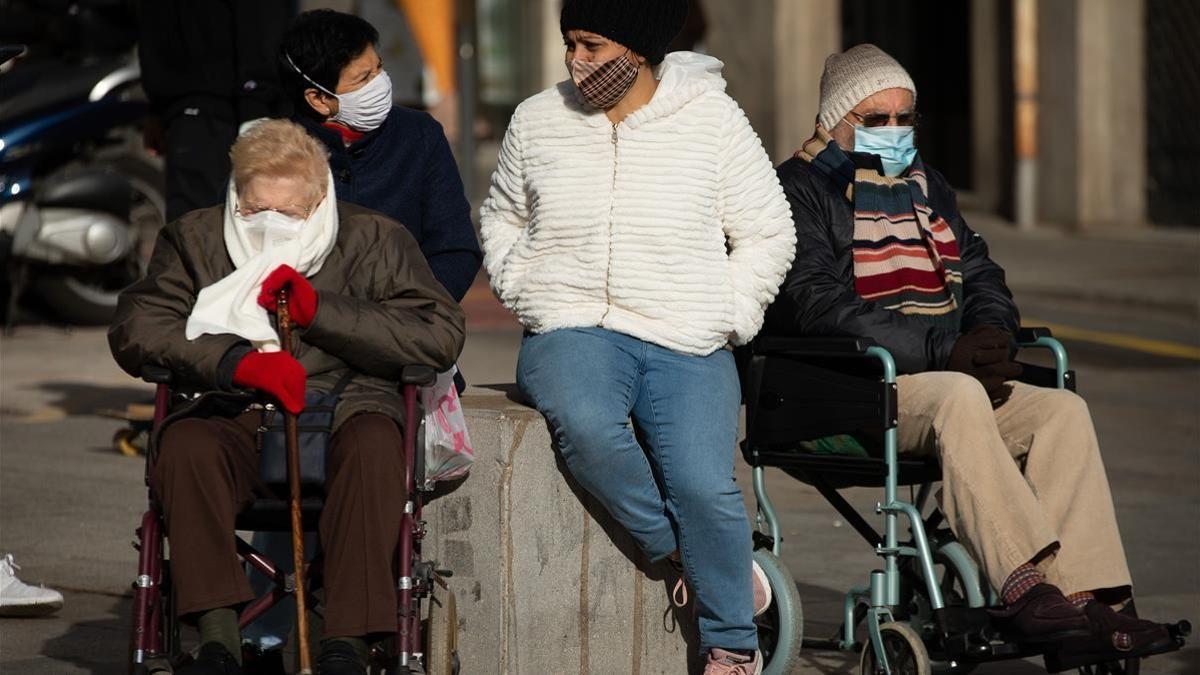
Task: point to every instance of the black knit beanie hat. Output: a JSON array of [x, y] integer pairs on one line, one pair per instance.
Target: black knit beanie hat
[[645, 26]]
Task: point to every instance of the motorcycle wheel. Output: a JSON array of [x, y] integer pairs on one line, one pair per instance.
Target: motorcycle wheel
[[88, 296]]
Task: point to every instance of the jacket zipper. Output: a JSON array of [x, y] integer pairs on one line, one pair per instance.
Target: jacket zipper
[[612, 202]]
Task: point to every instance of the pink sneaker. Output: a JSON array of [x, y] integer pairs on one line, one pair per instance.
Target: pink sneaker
[[762, 590], [721, 662]]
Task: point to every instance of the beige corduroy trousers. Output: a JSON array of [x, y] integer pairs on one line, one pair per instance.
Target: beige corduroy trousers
[[1019, 479]]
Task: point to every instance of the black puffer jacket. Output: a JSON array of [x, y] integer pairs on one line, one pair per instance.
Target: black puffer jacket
[[818, 296]]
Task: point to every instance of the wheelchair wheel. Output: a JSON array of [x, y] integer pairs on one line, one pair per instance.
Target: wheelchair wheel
[[441, 634], [781, 626], [906, 654]]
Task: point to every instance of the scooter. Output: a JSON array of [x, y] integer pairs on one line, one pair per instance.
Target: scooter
[[81, 202]]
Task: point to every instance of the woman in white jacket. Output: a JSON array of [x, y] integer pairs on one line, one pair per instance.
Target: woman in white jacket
[[636, 228]]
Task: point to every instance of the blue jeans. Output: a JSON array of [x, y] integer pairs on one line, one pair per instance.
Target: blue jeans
[[677, 492]]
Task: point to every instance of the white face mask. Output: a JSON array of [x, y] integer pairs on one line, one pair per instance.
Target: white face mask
[[270, 228], [363, 109], [366, 108]]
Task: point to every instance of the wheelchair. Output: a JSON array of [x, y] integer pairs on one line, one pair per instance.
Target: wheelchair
[[926, 609], [426, 613]]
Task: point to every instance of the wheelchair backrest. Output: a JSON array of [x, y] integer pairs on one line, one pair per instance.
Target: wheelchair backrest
[[792, 398]]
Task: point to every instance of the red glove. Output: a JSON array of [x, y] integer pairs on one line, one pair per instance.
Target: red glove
[[302, 299], [277, 373]]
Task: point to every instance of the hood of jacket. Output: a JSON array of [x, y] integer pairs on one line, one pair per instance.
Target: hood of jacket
[[682, 77]]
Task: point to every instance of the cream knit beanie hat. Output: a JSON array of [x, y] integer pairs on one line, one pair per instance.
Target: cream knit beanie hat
[[854, 75]]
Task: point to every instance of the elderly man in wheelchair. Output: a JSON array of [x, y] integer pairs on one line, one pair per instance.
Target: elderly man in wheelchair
[[365, 305], [887, 268]]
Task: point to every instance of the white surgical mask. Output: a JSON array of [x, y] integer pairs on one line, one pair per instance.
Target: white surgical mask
[[363, 109], [270, 228]]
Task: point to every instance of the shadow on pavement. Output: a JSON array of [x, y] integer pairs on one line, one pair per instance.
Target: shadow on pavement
[[81, 398], [96, 644]]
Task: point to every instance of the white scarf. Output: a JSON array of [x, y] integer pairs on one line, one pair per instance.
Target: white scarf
[[231, 304]]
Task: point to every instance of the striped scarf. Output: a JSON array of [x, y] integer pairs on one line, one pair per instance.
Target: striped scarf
[[905, 255]]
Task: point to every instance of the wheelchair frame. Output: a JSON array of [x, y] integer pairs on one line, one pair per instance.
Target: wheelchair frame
[[154, 639], [882, 593]]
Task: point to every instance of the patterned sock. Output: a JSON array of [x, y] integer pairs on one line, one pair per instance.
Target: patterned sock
[[1020, 581], [1081, 598]]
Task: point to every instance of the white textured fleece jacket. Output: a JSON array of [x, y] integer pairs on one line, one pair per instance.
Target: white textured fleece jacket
[[670, 227]]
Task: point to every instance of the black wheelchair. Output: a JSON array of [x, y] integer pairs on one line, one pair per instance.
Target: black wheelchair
[[926, 610], [426, 612]]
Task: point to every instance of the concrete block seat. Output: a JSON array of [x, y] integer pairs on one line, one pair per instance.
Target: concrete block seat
[[546, 581]]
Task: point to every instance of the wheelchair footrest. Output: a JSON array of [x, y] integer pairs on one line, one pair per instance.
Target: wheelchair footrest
[[967, 634]]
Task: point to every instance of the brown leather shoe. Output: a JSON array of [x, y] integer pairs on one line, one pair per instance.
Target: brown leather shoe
[[1043, 614]]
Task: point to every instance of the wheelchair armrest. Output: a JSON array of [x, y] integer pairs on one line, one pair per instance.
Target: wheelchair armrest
[[1028, 334], [156, 374], [778, 344], [421, 376]]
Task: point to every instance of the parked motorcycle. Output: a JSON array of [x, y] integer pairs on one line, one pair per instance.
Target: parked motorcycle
[[81, 202]]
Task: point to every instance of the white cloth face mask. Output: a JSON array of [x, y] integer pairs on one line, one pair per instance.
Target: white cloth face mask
[[366, 108], [363, 109]]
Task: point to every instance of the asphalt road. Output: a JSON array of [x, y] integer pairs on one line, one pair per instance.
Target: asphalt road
[[69, 503]]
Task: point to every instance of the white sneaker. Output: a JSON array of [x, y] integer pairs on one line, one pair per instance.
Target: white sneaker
[[18, 598]]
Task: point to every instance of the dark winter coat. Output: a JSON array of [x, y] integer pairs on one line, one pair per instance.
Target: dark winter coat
[[379, 308], [818, 295], [405, 170]]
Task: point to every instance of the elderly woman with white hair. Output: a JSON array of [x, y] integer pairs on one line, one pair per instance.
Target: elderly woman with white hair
[[366, 304]]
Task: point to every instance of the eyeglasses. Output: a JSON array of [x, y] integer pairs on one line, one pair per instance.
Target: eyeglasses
[[291, 210], [904, 119]]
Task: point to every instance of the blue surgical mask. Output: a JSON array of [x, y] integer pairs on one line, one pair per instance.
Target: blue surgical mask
[[894, 145]]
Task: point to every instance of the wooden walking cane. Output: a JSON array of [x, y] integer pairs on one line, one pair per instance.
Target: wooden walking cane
[[293, 469]]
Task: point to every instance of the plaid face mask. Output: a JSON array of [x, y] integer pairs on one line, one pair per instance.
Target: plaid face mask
[[603, 84]]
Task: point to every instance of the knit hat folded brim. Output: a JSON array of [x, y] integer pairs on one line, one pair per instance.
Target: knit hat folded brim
[[857, 74]]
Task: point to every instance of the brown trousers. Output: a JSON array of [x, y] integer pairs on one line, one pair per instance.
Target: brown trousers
[[207, 472], [1018, 480]]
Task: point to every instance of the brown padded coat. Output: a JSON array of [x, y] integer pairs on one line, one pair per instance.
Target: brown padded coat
[[379, 309]]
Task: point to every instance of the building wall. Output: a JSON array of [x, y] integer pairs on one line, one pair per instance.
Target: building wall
[[1092, 116], [774, 51], [736, 35]]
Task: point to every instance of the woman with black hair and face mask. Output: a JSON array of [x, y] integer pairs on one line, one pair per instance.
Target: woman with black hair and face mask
[[385, 157], [636, 228]]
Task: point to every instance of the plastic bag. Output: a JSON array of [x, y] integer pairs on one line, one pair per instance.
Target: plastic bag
[[448, 451]]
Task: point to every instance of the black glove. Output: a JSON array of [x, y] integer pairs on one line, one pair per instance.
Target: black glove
[[984, 353]]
